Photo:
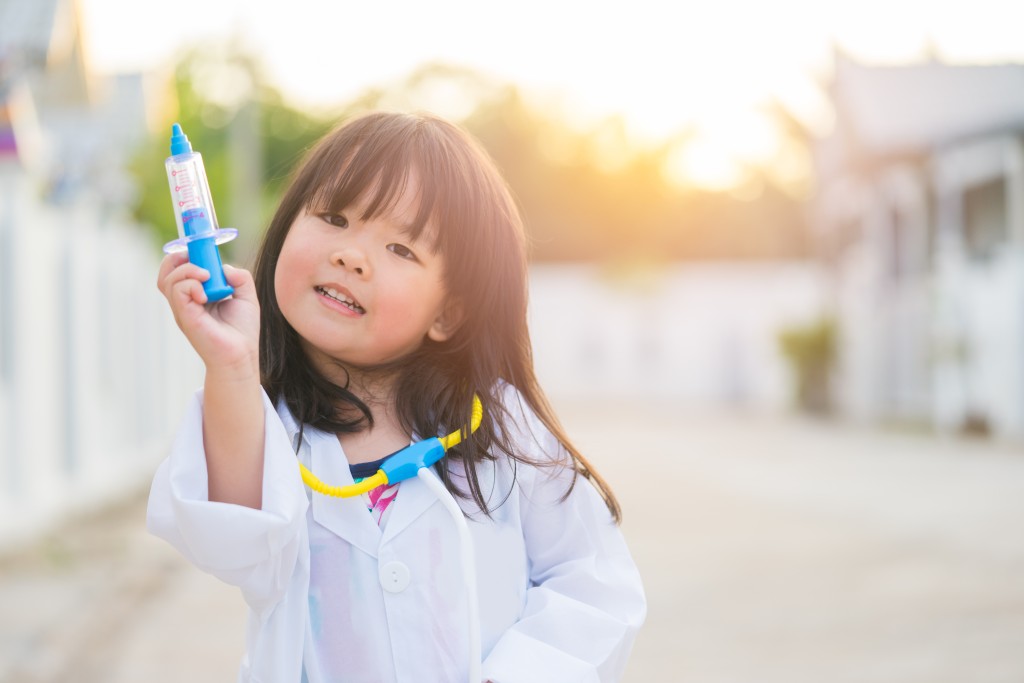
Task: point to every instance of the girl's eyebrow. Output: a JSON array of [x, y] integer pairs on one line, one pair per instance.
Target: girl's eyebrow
[[400, 225], [408, 225], [407, 232]]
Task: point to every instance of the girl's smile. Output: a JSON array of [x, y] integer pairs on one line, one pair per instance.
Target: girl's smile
[[335, 295]]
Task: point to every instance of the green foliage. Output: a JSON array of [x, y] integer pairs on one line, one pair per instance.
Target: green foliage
[[280, 134], [811, 352]]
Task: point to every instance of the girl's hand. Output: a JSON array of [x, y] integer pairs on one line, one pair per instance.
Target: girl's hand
[[225, 334]]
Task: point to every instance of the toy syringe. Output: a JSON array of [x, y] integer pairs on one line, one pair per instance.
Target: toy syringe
[[193, 209]]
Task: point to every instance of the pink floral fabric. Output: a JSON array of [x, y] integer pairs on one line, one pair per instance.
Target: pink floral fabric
[[379, 500]]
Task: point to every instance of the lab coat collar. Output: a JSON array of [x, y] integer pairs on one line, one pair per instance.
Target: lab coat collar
[[291, 425], [347, 518], [414, 498]]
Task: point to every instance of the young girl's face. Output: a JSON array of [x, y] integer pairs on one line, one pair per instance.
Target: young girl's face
[[361, 291]]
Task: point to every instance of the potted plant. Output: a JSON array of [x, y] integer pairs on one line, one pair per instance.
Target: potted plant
[[810, 350]]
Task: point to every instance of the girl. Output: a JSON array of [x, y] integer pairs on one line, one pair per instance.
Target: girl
[[388, 296]]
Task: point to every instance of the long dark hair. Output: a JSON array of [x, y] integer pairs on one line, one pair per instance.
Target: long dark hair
[[480, 234]]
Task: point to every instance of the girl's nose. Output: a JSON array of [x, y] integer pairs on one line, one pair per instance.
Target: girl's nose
[[353, 259]]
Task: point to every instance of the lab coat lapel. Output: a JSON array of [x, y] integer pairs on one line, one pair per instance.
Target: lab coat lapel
[[348, 518], [414, 498]]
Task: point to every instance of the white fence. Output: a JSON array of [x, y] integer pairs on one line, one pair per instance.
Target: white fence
[[93, 375]]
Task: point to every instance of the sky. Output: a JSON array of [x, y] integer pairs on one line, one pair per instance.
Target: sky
[[662, 65]]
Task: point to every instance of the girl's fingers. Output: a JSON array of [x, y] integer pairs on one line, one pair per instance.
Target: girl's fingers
[[184, 291], [169, 263], [181, 284], [236, 277], [184, 271], [222, 333], [196, 292], [242, 281]]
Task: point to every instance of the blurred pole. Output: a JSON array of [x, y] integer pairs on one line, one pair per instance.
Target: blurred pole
[[10, 472], [245, 154]]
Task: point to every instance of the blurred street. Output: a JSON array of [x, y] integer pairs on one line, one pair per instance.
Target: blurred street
[[774, 549]]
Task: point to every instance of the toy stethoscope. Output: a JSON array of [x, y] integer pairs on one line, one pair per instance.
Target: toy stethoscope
[[399, 466], [415, 461]]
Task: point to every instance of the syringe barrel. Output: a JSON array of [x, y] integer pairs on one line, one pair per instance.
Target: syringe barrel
[[190, 193]]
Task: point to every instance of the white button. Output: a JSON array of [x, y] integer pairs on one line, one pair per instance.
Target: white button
[[394, 576]]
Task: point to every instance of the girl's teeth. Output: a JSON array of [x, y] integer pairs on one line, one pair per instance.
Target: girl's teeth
[[334, 294]]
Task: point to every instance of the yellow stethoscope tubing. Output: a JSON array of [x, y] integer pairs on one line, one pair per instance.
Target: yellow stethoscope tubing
[[380, 478]]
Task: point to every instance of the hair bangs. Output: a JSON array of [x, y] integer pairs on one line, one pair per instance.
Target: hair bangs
[[380, 171]]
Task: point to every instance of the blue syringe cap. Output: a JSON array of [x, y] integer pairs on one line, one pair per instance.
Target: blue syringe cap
[[179, 141]]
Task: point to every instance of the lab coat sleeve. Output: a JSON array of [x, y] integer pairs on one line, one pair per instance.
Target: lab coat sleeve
[[255, 550], [586, 601]]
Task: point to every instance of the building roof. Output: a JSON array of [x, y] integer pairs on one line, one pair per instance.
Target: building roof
[[911, 108], [46, 93], [27, 28]]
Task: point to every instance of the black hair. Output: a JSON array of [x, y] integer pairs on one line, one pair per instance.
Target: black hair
[[480, 235]]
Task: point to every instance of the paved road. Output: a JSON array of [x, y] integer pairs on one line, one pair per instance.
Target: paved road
[[773, 550]]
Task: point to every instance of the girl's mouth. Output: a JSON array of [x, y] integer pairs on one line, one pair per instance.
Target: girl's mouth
[[332, 293]]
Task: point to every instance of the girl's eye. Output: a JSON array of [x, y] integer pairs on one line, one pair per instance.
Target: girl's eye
[[402, 251], [335, 219]]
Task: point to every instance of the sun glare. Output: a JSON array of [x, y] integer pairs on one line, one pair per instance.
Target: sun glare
[[703, 164], [722, 151], [701, 74]]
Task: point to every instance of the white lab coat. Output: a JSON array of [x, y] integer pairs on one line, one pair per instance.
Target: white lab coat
[[560, 597]]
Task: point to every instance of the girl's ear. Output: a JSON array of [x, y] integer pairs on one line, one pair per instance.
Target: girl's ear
[[446, 323]]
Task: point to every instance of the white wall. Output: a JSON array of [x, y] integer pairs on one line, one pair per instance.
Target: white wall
[[697, 332]]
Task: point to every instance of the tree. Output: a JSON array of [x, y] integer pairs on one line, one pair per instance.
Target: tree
[[248, 127], [586, 195]]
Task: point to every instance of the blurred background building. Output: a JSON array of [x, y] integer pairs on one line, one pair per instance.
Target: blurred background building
[[873, 272], [920, 214], [91, 371]]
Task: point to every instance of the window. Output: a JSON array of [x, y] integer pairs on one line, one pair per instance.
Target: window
[[985, 220]]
